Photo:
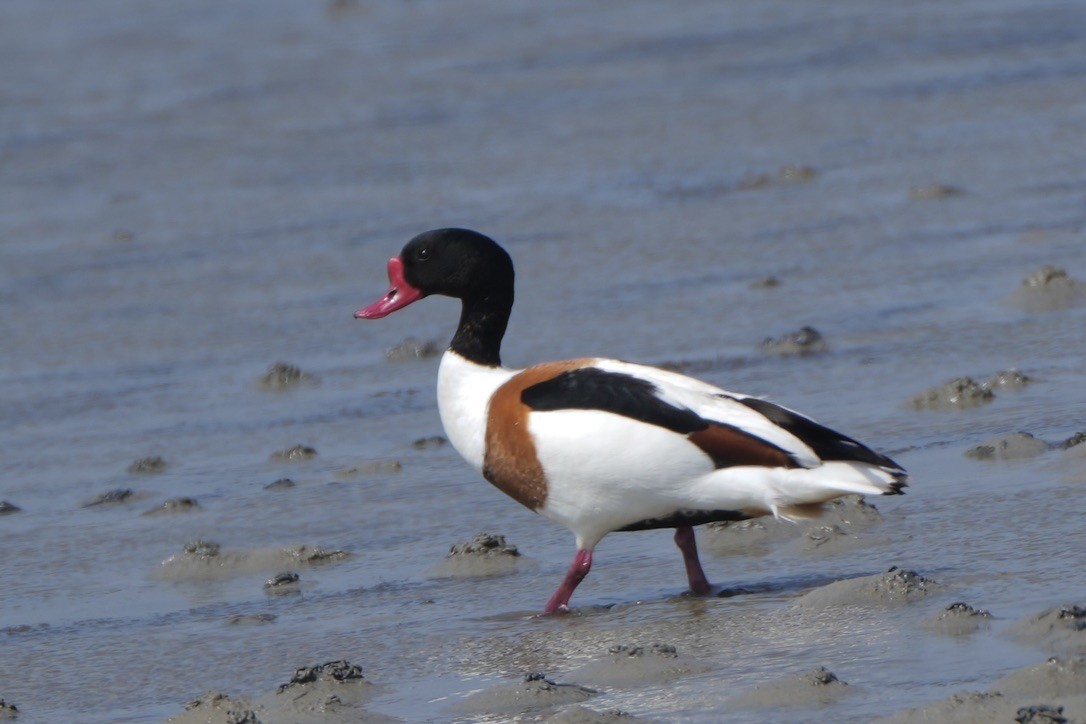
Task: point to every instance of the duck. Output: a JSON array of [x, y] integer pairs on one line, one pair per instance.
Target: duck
[[602, 445]]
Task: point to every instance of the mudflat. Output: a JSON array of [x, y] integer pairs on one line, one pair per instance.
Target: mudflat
[[223, 499]]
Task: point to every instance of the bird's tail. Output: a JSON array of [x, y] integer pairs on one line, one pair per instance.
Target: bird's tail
[[809, 488]]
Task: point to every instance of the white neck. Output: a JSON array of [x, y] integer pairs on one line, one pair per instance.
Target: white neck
[[463, 395]]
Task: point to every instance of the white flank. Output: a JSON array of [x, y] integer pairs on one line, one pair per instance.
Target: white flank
[[605, 471]]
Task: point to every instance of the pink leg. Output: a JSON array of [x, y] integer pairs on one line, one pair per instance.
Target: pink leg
[[684, 538], [582, 563]]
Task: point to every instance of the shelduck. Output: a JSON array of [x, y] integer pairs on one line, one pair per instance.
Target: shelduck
[[601, 445]]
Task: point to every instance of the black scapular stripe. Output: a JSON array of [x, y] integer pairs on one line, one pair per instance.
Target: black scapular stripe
[[686, 517], [826, 443], [590, 388]]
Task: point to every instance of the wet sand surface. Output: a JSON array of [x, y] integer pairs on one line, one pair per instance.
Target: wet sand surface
[[209, 475]]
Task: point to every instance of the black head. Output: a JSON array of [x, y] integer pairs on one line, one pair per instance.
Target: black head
[[456, 263], [453, 262]]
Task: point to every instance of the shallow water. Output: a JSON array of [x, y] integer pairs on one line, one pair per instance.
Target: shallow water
[[191, 193]]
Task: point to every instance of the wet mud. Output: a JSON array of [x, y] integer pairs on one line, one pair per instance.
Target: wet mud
[[1049, 288], [368, 468], [206, 560], [1074, 442], [960, 393], [217, 708], [534, 694], [332, 672], [769, 282], [1015, 446], [485, 554], [1046, 692], [1012, 379], [429, 443], [112, 497], [412, 348], [280, 484], [285, 583], [787, 174], [251, 619], [634, 665], [843, 525], [148, 466], [895, 587], [1059, 629], [754, 537], [335, 692], [796, 174], [483, 545], [282, 376], [933, 191], [579, 714], [803, 342], [174, 506], [959, 619], [294, 454], [810, 689]]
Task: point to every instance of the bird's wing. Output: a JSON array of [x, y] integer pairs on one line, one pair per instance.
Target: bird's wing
[[726, 426]]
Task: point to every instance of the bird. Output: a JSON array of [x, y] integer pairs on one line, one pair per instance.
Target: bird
[[602, 445]]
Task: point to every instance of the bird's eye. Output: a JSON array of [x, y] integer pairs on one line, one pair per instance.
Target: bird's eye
[[422, 254]]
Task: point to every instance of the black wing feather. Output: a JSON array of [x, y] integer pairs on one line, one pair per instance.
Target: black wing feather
[[590, 388], [826, 443]]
